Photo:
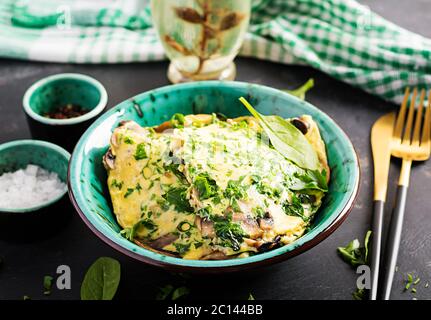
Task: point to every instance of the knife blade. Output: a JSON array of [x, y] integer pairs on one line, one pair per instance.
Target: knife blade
[[381, 136]]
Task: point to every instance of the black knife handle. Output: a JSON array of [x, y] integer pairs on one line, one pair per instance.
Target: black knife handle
[[376, 240]]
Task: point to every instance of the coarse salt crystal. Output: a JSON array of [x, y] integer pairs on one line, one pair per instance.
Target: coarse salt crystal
[[29, 187]]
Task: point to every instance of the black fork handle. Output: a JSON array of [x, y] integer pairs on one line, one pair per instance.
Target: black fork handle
[[394, 239]]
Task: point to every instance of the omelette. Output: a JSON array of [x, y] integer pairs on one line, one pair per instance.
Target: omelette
[[210, 188]]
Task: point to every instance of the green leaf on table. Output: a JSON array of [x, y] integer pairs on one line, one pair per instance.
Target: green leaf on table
[[302, 90], [164, 292], [359, 294], [47, 285], [250, 297], [180, 292], [353, 253], [169, 292], [286, 139], [101, 280]]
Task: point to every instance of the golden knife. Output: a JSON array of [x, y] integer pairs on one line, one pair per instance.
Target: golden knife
[[381, 136]]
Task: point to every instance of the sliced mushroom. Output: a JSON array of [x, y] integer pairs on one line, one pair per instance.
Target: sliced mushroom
[[248, 224], [207, 228], [270, 245], [301, 125], [215, 255], [266, 223], [109, 160], [163, 241]]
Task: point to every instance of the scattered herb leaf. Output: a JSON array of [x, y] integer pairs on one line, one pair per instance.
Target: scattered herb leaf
[[180, 292], [47, 285], [101, 280], [353, 253], [250, 297]]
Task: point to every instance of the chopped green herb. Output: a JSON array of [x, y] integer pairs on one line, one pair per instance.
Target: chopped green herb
[[177, 120], [234, 190], [47, 285], [178, 198], [250, 297], [128, 140], [205, 186], [128, 192], [417, 281], [117, 184], [182, 248], [353, 253], [140, 152], [295, 208], [229, 232], [409, 281], [414, 290]]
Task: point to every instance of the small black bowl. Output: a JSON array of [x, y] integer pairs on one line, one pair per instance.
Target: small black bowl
[[50, 93]]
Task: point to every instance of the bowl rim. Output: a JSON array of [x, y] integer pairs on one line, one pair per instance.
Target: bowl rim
[[41, 143], [59, 122], [179, 264]]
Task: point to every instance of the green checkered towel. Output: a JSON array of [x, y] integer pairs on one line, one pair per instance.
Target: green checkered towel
[[339, 37]]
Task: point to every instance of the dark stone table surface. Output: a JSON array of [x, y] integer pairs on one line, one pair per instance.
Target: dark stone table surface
[[317, 274]]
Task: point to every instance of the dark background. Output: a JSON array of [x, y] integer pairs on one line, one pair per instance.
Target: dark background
[[316, 274]]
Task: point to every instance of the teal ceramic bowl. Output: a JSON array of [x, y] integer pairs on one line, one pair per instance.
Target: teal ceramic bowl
[[18, 154], [59, 90], [87, 176]]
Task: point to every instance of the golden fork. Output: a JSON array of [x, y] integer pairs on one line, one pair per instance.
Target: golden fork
[[409, 148]]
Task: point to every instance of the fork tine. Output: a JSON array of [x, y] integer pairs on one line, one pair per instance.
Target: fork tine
[[401, 115], [427, 125], [418, 121], [409, 123]]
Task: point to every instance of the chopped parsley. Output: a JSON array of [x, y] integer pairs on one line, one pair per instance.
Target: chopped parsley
[[129, 192], [182, 248], [229, 232], [177, 120], [205, 186], [178, 198], [117, 184], [140, 152], [354, 254], [128, 140]]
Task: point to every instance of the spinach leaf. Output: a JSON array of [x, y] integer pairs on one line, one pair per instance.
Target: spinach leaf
[[206, 186], [250, 297], [353, 253], [178, 198], [302, 90], [101, 280], [180, 292], [182, 248], [286, 139], [169, 291]]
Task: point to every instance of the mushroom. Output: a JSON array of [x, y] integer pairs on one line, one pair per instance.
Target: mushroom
[[301, 125], [109, 160], [163, 241], [215, 255]]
